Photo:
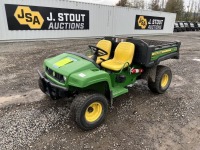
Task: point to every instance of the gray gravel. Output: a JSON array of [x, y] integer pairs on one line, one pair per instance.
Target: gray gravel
[[22, 124]]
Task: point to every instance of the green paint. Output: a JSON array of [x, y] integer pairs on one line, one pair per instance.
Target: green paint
[[66, 70], [117, 91], [54, 80], [83, 74], [88, 77]]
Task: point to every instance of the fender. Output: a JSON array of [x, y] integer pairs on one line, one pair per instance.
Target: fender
[[88, 77]]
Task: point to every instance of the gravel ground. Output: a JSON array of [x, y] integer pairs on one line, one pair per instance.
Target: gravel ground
[[138, 120]]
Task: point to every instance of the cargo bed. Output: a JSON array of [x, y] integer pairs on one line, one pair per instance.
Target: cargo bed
[[149, 52]]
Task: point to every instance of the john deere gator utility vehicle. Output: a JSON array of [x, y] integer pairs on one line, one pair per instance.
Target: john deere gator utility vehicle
[[95, 81]]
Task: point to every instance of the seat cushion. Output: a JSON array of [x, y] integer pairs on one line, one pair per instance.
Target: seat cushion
[[99, 60], [113, 65]]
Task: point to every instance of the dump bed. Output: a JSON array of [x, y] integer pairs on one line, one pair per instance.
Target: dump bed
[[149, 52]]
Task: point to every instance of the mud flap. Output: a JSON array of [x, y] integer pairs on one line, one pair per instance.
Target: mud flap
[[149, 74]]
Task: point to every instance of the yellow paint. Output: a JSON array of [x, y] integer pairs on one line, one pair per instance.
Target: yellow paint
[[142, 22], [28, 17], [63, 62], [164, 80], [123, 56], [106, 46], [93, 112]]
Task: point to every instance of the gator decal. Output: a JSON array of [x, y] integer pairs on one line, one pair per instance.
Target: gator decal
[[157, 54]]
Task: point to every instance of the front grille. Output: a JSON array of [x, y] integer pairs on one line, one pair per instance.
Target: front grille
[[55, 75]]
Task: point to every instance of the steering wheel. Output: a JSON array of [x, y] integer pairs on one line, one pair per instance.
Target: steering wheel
[[97, 52]]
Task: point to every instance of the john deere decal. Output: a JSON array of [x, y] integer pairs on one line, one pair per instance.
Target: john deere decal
[[20, 17], [149, 22]]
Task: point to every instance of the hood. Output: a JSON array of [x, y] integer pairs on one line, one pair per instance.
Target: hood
[[67, 64]]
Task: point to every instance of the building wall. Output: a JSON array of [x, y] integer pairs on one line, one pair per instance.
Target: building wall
[[103, 21]]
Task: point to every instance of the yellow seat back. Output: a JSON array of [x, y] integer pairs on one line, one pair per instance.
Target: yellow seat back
[[105, 45], [123, 57], [124, 52]]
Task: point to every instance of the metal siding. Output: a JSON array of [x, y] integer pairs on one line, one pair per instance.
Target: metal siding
[[125, 22], [104, 21]]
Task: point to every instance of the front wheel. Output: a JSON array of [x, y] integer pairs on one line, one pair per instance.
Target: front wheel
[[162, 80], [89, 110]]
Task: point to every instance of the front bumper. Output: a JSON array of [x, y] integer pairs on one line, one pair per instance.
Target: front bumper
[[51, 89]]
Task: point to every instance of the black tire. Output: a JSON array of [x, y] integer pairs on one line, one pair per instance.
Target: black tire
[[72, 113], [161, 84], [83, 104]]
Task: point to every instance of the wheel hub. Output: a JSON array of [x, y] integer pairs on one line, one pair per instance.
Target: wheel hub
[[93, 112], [90, 109], [164, 80]]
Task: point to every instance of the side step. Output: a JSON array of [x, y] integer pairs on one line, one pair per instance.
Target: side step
[[117, 91]]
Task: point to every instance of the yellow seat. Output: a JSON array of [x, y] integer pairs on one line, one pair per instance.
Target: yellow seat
[[123, 56], [105, 45]]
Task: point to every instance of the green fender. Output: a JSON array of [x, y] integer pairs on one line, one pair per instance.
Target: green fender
[[88, 77]]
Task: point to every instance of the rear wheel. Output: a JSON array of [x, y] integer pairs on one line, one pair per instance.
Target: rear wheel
[[89, 110], [162, 80]]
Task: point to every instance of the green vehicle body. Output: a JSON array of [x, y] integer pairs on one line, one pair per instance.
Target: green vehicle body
[[82, 74], [93, 87]]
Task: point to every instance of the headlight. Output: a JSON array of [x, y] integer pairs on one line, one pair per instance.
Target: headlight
[[65, 78]]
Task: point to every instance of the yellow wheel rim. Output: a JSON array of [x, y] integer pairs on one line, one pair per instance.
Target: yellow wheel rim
[[93, 112], [164, 80]]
